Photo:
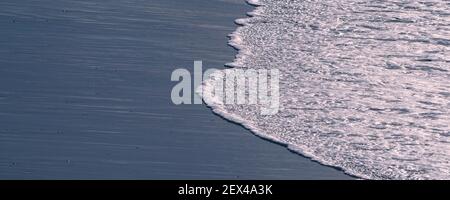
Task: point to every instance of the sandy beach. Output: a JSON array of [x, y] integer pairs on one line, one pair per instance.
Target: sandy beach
[[85, 94]]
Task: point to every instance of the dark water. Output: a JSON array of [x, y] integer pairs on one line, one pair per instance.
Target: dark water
[[85, 93]]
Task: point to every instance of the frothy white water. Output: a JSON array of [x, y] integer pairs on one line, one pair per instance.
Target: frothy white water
[[365, 85]]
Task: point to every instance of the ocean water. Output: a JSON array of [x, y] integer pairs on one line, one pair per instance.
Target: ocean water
[[365, 85]]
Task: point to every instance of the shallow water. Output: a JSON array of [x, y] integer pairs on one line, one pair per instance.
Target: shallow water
[[365, 85]]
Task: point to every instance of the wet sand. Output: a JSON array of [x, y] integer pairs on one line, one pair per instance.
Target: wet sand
[[85, 94]]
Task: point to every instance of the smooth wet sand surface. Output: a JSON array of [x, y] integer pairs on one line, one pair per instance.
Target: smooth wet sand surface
[[85, 94]]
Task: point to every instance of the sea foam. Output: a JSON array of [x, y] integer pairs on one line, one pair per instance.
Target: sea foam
[[365, 86]]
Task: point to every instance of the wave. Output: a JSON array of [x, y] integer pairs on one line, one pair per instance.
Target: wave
[[365, 86]]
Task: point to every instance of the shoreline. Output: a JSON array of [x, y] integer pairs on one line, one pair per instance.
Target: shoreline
[[235, 119], [96, 100]]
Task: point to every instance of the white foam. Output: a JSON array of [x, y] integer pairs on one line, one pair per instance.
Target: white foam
[[254, 2], [343, 103]]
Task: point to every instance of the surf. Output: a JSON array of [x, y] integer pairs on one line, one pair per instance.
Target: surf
[[364, 85]]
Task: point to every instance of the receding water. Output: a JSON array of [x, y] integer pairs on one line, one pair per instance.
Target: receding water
[[365, 85]]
